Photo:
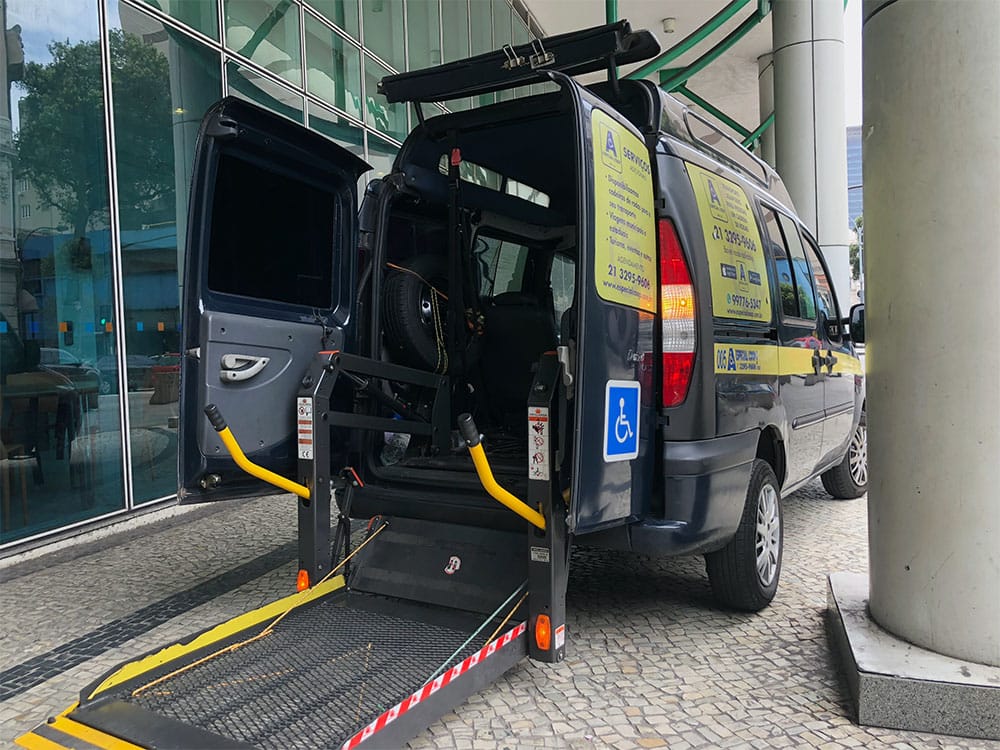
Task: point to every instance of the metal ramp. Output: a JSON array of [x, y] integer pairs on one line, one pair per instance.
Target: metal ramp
[[334, 666]]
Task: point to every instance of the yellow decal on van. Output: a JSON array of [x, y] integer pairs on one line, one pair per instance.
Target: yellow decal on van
[[772, 359], [738, 271], [624, 224]]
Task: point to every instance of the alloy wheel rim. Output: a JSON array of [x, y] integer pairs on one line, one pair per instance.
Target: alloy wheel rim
[[768, 536], [858, 456]]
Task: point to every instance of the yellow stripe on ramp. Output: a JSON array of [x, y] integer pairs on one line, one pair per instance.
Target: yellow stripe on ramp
[[91, 735], [34, 742]]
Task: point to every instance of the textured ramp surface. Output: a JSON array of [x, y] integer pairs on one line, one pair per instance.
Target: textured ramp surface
[[327, 670]]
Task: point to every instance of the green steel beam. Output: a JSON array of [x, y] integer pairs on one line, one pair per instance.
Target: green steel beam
[[719, 49], [768, 122], [713, 110], [690, 40], [611, 10]]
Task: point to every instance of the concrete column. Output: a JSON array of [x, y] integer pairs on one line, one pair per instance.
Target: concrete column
[[765, 95], [932, 223], [810, 132]]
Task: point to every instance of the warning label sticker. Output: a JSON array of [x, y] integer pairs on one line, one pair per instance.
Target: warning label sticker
[[735, 253], [304, 426], [624, 225], [538, 443]]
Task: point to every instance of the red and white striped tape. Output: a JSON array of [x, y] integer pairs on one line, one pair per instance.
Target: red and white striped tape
[[429, 688]]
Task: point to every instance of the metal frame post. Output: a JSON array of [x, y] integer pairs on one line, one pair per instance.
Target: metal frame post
[[548, 550], [312, 415]]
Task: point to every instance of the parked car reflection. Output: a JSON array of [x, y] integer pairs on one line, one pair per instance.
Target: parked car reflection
[[138, 369], [83, 376]]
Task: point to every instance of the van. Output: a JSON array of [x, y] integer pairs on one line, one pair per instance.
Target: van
[[603, 232]]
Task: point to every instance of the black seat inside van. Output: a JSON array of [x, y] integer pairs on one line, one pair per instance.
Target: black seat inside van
[[519, 329]]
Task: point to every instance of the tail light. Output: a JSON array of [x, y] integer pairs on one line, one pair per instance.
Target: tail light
[[676, 315]]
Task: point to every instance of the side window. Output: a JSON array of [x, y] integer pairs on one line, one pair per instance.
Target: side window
[[804, 290], [786, 280], [824, 292], [563, 280], [500, 265], [795, 283]]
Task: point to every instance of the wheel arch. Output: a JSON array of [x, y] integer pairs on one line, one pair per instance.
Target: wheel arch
[[771, 448]]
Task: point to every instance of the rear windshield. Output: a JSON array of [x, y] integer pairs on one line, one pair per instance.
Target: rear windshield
[[272, 236]]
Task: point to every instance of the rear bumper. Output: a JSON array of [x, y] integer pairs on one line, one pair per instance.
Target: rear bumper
[[704, 489]]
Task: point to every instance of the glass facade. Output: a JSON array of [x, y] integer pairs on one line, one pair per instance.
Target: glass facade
[[97, 134]]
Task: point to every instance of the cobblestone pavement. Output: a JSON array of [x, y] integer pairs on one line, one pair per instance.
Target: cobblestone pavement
[[652, 661]]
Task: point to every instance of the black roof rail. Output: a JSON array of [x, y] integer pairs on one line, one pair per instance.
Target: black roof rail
[[575, 53]]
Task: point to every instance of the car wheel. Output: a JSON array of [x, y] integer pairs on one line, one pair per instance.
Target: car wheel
[[744, 574], [849, 479]]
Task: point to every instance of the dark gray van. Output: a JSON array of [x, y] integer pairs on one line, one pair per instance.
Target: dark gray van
[[605, 233]]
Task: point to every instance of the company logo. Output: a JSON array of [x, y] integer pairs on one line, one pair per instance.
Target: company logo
[[454, 563], [611, 153]]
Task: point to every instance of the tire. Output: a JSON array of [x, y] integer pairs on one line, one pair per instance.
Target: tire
[[739, 579], [849, 479], [409, 322]]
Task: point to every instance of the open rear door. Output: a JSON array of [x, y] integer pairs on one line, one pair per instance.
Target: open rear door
[[616, 302], [269, 281]]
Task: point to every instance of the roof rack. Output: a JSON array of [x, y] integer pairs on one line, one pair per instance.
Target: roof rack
[[586, 51]]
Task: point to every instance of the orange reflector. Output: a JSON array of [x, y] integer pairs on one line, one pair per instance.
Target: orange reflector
[[543, 632], [302, 582]]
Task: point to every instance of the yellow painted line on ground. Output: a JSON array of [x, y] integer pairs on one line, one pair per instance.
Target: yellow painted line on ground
[[218, 633]]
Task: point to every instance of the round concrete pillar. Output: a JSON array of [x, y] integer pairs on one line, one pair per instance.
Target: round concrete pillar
[[932, 222], [765, 95], [810, 134]]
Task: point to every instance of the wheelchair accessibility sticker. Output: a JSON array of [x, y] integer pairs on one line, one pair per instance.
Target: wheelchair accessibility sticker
[[621, 420]]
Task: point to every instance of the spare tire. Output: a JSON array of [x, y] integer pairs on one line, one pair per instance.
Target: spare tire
[[416, 333]]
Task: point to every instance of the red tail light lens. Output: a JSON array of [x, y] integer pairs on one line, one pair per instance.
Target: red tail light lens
[[679, 336]]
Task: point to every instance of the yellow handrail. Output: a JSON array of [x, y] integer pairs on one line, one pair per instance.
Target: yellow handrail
[[498, 493], [229, 440]]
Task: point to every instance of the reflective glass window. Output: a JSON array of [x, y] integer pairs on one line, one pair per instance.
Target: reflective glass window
[[267, 32], [381, 154], [163, 83], [481, 17], [333, 67], [338, 129], [455, 19], [201, 15], [60, 434], [502, 30], [344, 13], [423, 28], [379, 113], [383, 30], [248, 84]]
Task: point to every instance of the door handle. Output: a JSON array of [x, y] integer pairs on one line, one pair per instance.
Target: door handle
[[240, 367], [818, 361], [830, 361]]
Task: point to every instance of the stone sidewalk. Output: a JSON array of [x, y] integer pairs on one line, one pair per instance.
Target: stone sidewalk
[[652, 661]]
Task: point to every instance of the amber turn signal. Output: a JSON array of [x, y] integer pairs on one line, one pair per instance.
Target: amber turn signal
[[543, 632], [302, 582]]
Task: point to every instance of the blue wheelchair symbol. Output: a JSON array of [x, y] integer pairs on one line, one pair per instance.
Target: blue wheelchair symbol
[[621, 420]]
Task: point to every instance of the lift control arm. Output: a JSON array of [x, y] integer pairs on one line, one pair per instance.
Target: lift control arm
[[470, 434], [229, 440]]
